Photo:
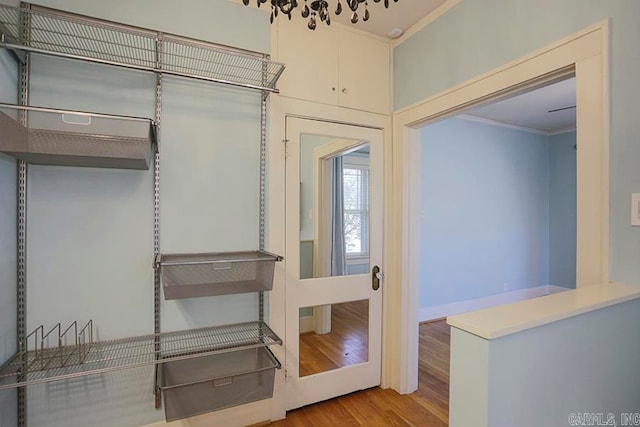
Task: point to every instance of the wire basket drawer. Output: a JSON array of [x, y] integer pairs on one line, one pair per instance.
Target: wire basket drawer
[[206, 384], [200, 275], [67, 138]]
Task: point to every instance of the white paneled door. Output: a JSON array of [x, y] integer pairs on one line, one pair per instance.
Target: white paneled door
[[333, 259]]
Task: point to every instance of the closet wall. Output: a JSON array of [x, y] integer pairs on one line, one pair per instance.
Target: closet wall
[[89, 247], [90, 231]]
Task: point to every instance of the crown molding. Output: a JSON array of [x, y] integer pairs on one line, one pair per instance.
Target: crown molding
[[473, 118], [561, 131]]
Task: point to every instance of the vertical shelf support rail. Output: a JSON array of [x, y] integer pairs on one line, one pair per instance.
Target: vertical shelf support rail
[[156, 222], [21, 321], [263, 164]]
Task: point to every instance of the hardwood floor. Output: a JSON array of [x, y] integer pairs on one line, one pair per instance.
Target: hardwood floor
[[347, 343], [429, 406]]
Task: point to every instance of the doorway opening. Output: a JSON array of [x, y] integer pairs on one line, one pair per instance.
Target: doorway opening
[[496, 208], [583, 55], [495, 214]]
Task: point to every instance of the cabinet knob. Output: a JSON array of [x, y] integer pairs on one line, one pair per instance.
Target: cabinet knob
[[333, 89], [344, 90]]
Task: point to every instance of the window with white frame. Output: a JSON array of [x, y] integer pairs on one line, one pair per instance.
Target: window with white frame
[[356, 205]]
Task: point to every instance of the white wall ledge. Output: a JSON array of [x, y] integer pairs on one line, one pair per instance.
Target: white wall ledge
[[500, 321]]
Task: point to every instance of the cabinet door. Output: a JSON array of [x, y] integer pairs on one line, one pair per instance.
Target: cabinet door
[[364, 73], [311, 59]]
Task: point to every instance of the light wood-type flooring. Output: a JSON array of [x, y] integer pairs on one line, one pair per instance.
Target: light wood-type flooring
[[346, 344], [429, 406]]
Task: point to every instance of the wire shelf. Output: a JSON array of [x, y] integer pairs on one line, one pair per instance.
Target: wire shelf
[[27, 368], [73, 36], [209, 274], [189, 58], [72, 138], [67, 34]]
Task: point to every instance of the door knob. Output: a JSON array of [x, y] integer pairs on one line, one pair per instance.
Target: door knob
[[376, 277]]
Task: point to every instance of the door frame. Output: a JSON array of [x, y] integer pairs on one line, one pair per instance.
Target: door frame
[[281, 107], [586, 52]]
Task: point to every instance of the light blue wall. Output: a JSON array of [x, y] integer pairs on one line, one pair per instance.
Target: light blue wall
[[587, 363], [485, 206], [209, 188], [562, 210], [8, 93], [88, 230], [308, 143], [90, 239], [477, 36]]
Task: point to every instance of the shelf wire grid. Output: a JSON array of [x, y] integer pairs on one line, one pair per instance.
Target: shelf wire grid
[[82, 144], [202, 60], [69, 35], [105, 356]]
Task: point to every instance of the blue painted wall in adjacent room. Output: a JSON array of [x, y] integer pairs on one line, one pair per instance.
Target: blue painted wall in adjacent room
[[562, 210], [485, 209]]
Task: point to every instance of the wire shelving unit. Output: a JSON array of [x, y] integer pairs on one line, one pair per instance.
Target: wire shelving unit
[[76, 37], [87, 357], [32, 29]]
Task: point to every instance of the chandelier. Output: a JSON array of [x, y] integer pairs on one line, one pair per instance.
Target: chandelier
[[314, 9]]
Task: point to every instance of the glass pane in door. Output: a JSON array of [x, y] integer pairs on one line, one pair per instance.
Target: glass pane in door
[[334, 206], [333, 336]]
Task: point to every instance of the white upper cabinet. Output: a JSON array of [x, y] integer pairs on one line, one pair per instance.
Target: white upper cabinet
[[311, 61], [363, 73], [333, 65]]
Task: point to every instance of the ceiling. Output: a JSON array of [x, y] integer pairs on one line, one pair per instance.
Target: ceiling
[[531, 110], [403, 14]]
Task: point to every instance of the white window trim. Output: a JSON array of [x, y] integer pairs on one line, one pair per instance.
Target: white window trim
[[359, 161]]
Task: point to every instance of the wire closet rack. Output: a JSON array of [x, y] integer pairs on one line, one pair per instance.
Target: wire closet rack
[[199, 275], [58, 353], [73, 138], [75, 37], [42, 363]]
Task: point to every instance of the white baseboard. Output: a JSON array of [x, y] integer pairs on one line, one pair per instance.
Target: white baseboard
[[553, 289], [251, 413], [307, 324], [440, 311]]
